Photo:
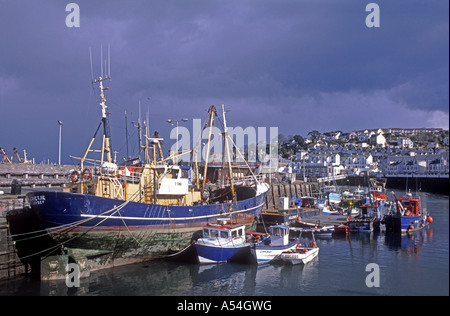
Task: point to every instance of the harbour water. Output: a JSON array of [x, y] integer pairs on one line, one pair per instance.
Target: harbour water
[[417, 264]]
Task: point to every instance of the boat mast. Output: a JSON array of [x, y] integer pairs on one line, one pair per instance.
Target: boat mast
[[212, 110], [230, 172], [194, 153], [106, 141], [106, 144], [126, 132]]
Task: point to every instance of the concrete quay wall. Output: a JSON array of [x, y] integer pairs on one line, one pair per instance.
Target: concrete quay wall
[[34, 174]]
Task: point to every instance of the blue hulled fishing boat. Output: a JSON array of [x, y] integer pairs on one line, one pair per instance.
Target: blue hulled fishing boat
[[221, 242], [140, 212], [407, 215]]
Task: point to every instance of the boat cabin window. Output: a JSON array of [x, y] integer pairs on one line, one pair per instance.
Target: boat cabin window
[[216, 233], [405, 203], [279, 231], [175, 173], [237, 233], [185, 174], [223, 234]]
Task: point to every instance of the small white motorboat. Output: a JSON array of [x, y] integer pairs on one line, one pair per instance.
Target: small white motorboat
[[301, 254]]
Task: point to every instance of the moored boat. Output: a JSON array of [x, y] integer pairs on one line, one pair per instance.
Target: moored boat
[[141, 212], [377, 189], [407, 215], [269, 249], [341, 229], [369, 220], [316, 227], [221, 242], [301, 254]]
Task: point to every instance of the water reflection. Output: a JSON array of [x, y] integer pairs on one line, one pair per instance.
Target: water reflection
[[409, 244], [167, 278], [339, 268]]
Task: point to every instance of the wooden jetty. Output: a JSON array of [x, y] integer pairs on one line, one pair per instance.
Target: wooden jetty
[[297, 189]]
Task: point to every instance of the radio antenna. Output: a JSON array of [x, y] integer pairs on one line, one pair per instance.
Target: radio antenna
[[90, 58], [109, 61], [101, 61]]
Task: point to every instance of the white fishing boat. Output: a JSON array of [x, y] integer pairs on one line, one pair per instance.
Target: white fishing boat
[[326, 210], [301, 254], [269, 249]]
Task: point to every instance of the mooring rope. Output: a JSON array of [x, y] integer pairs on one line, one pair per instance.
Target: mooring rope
[[71, 226], [63, 228], [58, 245]]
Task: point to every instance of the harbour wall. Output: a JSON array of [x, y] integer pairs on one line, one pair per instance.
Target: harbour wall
[[438, 185], [10, 264], [34, 175]]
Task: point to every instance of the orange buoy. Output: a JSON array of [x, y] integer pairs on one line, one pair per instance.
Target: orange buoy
[[75, 175], [429, 219], [299, 218], [87, 174]]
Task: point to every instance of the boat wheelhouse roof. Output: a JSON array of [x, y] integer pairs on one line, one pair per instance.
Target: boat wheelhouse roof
[[409, 199], [280, 226], [224, 226]]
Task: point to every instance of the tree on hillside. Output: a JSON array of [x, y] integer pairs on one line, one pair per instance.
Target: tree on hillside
[[314, 135]]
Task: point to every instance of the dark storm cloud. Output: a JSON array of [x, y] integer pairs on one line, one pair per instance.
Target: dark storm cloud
[[298, 65]]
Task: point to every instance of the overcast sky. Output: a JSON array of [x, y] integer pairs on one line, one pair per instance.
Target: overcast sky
[[299, 65]]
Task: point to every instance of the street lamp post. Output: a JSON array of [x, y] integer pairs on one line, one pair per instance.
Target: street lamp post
[[59, 149]]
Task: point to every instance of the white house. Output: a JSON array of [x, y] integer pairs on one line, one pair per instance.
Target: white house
[[416, 164], [404, 142], [378, 140], [358, 162], [319, 164]]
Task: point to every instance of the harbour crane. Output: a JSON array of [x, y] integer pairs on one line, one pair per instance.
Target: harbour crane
[[5, 156]]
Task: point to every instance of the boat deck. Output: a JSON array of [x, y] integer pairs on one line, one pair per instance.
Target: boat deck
[[325, 220]]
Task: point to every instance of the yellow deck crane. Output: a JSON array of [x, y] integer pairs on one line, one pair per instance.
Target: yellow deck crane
[[5, 156], [16, 152]]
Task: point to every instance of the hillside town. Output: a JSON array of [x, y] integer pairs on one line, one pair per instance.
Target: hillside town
[[390, 152]]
